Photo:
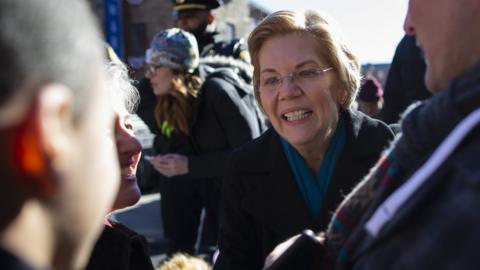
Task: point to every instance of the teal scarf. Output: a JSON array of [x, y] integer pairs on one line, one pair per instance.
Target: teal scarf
[[314, 188]]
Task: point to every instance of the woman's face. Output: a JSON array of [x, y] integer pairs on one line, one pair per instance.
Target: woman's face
[[129, 151], [160, 79], [302, 110]]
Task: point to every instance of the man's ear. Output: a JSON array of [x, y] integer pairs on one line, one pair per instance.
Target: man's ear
[[41, 139]]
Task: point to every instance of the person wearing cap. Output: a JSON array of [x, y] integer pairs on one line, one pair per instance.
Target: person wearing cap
[[59, 168], [199, 123], [370, 97], [195, 16]]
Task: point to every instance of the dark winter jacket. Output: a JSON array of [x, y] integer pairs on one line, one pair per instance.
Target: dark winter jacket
[[120, 248], [405, 82], [262, 204], [438, 225], [221, 122]]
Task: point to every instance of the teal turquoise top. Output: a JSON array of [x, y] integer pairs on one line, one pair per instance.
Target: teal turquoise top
[[314, 187]]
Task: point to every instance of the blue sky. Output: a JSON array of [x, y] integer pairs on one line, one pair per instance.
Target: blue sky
[[372, 27]]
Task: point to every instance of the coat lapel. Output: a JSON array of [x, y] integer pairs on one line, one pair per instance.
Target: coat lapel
[[276, 200], [342, 180]]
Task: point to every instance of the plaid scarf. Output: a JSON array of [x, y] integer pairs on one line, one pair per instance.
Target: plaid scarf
[[341, 235]]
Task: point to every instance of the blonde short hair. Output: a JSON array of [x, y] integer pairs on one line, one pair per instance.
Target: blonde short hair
[[185, 262], [334, 50]]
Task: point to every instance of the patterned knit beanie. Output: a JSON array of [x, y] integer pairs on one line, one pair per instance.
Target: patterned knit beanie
[[173, 48]]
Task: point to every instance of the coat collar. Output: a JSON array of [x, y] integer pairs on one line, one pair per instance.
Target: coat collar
[[270, 148]]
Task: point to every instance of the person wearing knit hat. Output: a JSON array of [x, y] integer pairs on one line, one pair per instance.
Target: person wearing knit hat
[[173, 48], [195, 17], [198, 123], [370, 97]]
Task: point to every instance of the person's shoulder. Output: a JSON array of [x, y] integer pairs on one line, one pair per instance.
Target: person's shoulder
[[124, 229], [219, 89], [364, 122], [9, 261], [114, 234], [214, 89], [231, 42], [235, 47], [253, 155], [372, 133]]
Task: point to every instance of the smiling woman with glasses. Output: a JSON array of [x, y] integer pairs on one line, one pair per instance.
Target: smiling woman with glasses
[[293, 177]]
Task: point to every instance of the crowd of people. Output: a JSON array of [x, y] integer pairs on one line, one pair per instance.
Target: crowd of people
[[251, 148]]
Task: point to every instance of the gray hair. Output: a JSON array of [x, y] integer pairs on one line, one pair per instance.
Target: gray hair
[[124, 97]]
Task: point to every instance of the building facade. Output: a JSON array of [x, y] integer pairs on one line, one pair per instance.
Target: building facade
[[129, 25]]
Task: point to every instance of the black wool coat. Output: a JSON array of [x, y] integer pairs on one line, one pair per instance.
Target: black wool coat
[[262, 205], [119, 248]]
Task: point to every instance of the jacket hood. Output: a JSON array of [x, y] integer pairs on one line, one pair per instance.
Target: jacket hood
[[228, 69], [243, 69]]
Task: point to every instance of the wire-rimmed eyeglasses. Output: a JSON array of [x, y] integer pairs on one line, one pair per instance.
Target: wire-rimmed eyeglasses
[[271, 81]]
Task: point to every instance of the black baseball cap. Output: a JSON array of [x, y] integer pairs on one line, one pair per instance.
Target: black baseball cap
[[185, 5]]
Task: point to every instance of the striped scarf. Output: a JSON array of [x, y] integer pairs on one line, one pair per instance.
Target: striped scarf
[[383, 179]]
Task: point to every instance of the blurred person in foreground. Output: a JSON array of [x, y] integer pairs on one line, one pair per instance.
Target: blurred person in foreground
[[59, 167], [417, 209], [370, 97], [294, 175], [119, 247], [199, 123]]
